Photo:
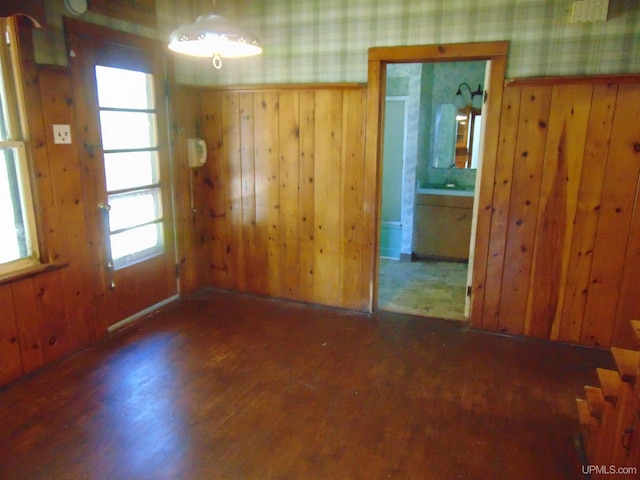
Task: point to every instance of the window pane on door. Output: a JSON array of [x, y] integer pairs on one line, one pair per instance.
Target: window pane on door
[[126, 170], [125, 89], [127, 130], [135, 208], [131, 246]]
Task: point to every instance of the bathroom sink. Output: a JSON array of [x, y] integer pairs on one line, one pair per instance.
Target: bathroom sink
[[443, 189]]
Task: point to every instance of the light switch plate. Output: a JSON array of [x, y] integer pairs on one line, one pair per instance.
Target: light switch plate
[[61, 133]]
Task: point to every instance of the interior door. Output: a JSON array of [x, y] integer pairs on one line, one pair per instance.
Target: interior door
[[122, 118]]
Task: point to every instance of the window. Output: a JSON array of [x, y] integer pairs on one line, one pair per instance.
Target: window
[[18, 241], [132, 173]]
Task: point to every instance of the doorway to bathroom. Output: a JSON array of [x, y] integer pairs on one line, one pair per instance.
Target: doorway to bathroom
[[451, 113], [430, 155]]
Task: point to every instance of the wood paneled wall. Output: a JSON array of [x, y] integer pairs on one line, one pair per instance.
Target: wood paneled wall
[[564, 245], [49, 314], [279, 204], [184, 112], [279, 210]]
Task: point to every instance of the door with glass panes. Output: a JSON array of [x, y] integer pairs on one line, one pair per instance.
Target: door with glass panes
[[121, 110]]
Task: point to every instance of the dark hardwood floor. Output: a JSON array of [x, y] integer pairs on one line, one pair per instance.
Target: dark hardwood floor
[[226, 386]]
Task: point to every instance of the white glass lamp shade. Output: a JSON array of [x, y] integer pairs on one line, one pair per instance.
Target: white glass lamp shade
[[214, 36], [459, 101], [476, 101]]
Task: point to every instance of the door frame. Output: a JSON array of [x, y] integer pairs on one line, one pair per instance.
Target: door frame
[[495, 54], [86, 143]]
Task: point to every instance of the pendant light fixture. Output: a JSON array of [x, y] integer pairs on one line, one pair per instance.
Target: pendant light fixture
[[213, 36]]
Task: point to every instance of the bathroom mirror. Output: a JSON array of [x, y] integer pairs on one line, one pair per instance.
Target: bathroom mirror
[[456, 135]]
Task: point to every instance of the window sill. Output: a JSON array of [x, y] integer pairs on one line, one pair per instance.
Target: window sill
[[16, 275]]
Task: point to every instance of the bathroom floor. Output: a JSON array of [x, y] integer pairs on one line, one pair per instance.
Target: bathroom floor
[[431, 288]]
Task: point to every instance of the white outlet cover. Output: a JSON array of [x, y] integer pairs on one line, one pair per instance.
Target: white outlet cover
[[62, 134]]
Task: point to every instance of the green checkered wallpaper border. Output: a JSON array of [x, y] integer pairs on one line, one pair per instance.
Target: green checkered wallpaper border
[[327, 40]]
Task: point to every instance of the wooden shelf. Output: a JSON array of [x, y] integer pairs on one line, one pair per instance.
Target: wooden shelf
[[627, 362], [584, 414], [595, 400], [610, 413], [610, 384]]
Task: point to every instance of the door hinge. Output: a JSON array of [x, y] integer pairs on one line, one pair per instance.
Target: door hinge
[[177, 270], [469, 290]]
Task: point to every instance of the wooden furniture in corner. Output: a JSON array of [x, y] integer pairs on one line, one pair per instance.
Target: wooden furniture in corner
[[610, 415]]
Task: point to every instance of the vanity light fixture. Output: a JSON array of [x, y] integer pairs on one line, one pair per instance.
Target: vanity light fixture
[[213, 36], [476, 97]]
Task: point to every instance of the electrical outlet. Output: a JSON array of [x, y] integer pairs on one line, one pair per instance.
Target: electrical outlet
[[62, 134]]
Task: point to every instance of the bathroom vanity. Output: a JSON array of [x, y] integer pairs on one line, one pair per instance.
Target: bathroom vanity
[[442, 227]]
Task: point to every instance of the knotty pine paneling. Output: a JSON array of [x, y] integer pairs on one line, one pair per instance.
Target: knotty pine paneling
[[500, 214], [69, 205], [523, 206], [619, 203], [352, 194], [289, 175], [557, 208], [233, 174], [50, 314], [279, 203], [564, 253], [11, 365], [306, 219], [266, 151], [585, 223], [185, 109]]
